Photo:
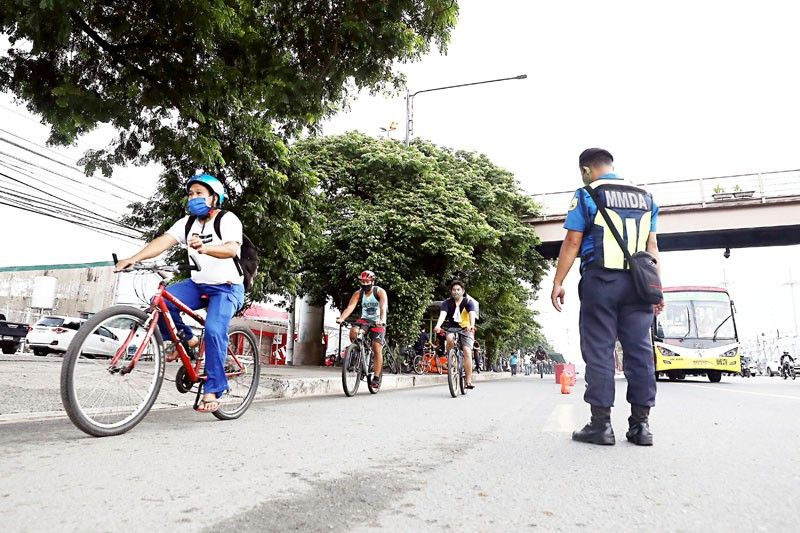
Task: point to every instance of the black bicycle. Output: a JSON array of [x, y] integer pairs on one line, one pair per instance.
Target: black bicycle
[[456, 374], [359, 363], [540, 368]]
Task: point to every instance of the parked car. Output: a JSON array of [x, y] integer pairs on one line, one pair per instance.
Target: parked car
[[54, 333], [12, 334]]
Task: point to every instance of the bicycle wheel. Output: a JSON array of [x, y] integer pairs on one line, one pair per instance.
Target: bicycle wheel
[[351, 369], [244, 362], [419, 364], [452, 372], [105, 398], [462, 380]]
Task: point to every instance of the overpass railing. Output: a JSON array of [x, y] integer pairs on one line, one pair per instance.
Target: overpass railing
[[698, 191]]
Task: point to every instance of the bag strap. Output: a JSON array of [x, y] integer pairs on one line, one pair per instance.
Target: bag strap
[[188, 226], [218, 231], [601, 208], [217, 222]]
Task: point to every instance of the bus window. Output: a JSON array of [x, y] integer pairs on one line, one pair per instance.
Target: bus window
[[714, 320], [675, 321]]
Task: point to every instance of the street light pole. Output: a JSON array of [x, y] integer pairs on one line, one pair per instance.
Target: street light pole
[[410, 100]]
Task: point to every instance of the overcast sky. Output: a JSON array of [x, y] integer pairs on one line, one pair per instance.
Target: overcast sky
[[673, 90]]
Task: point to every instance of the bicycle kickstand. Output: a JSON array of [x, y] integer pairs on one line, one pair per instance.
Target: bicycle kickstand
[[199, 394]]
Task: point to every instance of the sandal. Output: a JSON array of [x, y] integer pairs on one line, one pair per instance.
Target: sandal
[[172, 355], [203, 406], [470, 386], [188, 346]]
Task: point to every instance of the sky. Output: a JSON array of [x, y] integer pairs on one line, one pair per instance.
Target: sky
[[674, 90]]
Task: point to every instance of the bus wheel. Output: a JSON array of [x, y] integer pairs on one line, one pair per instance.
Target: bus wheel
[[714, 376]]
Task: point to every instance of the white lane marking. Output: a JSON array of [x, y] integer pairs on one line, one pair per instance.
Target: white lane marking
[[561, 420], [767, 394]]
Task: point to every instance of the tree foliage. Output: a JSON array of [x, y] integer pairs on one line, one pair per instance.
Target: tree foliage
[[219, 85], [420, 216]]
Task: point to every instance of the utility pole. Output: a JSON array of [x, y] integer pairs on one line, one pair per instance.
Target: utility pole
[[791, 284]]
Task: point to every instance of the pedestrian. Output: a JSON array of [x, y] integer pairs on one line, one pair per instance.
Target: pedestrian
[[422, 341], [528, 364], [513, 362], [610, 306]]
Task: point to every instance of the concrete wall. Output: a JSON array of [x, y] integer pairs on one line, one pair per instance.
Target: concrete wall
[[78, 290]]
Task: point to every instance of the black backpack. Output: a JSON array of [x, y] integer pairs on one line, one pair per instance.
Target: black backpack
[[247, 261]]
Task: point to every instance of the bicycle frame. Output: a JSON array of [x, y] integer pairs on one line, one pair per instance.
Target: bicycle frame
[[158, 308], [366, 347]]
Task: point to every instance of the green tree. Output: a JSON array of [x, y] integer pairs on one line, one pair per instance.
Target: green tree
[[219, 85], [418, 216]]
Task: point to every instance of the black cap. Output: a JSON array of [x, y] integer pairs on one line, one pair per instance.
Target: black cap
[[587, 156]]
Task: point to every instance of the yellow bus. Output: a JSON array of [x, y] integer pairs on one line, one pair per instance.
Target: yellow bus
[[696, 334]]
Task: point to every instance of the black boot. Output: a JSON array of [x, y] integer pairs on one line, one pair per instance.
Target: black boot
[[598, 430], [639, 426]]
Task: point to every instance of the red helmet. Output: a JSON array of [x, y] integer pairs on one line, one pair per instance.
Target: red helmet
[[367, 275]]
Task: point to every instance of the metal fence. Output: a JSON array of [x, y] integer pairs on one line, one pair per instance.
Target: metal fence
[[699, 191]]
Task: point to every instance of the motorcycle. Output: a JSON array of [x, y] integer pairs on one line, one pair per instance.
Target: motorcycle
[[787, 370]]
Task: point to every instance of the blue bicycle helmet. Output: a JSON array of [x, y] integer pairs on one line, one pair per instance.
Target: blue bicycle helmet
[[212, 183]]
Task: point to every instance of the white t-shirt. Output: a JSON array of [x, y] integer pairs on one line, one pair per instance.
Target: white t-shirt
[[213, 271]]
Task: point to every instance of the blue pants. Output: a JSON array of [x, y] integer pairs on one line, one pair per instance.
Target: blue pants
[[223, 302], [611, 310]]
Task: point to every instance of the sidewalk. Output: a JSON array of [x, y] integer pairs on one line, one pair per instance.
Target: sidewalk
[[31, 385]]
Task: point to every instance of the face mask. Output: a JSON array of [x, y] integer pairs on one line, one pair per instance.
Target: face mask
[[366, 288], [198, 207]]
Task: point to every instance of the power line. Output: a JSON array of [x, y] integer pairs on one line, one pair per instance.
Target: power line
[[26, 117], [109, 219], [73, 167], [83, 211], [11, 167], [44, 204], [45, 169], [107, 233], [17, 145]]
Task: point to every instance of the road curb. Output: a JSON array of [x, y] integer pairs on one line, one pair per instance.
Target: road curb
[[274, 387]]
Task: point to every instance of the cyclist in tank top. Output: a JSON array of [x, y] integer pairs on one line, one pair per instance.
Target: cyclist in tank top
[[374, 304]]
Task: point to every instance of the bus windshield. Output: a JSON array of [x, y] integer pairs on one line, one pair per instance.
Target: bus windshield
[[696, 315]]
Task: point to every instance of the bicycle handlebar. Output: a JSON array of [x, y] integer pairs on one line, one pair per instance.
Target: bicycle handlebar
[[158, 269]]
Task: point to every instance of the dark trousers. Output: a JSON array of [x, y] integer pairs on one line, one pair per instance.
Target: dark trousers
[[611, 310]]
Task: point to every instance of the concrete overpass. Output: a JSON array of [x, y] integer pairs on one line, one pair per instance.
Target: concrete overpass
[[741, 211]]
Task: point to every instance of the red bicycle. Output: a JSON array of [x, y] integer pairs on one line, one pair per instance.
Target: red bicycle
[[104, 398]]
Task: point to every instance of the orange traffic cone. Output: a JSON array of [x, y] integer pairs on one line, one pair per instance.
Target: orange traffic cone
[[566, 383]]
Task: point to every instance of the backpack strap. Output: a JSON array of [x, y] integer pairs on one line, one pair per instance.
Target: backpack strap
[[217, 222], [188, 226], [218, 231]]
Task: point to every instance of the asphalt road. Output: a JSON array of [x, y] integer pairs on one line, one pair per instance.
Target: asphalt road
[[725, 459]]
